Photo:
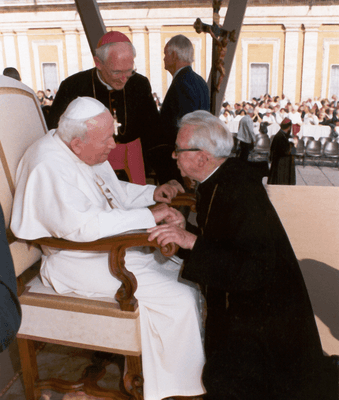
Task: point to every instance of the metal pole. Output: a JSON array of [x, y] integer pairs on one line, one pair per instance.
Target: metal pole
[[92, 21]]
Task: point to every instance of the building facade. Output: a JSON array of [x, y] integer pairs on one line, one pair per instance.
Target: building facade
[[285, 47]]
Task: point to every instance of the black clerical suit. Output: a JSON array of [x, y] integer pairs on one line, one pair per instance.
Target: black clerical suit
[[261, 338], [10, 311], [135, 107]]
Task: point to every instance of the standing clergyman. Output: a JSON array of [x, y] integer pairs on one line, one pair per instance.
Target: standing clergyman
[[127, 94]]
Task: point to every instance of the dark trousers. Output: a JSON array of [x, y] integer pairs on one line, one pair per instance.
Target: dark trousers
[[244, 150]]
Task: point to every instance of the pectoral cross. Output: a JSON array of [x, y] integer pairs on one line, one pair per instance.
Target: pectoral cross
[[105, 190], [221, 38], [116, 122]]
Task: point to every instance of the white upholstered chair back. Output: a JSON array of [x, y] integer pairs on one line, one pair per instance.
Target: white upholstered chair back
[[17, 131]]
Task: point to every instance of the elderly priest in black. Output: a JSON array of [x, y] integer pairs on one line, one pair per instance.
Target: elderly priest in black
[[261, 338]]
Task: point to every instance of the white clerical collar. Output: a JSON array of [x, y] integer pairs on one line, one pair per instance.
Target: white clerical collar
[[210, 174], [104, 83]]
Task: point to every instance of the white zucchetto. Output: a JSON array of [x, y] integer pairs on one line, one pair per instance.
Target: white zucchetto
[[84, 108]]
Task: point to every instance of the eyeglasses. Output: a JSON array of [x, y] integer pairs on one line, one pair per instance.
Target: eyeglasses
[[177, 151], [127, 74]]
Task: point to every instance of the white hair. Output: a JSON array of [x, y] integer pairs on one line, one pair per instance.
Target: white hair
[[103, 51], [210, 133], [68, 129], [183, 47]]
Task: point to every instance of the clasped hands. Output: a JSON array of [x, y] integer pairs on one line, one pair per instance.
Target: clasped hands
[[172, 222]]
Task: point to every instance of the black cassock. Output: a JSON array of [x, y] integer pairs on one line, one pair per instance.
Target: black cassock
[[282, 170], [134, 105], [261, 337]]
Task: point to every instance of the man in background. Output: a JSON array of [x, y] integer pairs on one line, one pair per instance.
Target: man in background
[[127, 94], [282, 171], [188, 92]]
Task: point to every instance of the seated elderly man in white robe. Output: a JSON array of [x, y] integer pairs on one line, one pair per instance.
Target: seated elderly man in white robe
[[65, 188]]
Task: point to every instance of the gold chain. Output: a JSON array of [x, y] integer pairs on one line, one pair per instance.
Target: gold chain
[[110, 102], [210, 206]]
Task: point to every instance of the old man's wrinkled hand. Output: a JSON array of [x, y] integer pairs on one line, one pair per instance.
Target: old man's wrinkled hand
[[166, 233], [164, 214], [165, 193]]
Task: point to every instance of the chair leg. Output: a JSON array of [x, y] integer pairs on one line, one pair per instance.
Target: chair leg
[[29, 368], [133, 379]]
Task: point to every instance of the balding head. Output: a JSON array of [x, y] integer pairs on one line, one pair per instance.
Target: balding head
[[115, 63]]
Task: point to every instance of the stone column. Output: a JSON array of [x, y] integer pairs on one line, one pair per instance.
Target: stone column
[[155, 56], [138, 35], [71, 52], [244, 68], [231, 84], [309, 61], [25, 59], [9, 48], [86, 55], [290, 62]]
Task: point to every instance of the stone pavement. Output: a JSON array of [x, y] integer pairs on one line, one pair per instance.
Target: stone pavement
[[317, 175]]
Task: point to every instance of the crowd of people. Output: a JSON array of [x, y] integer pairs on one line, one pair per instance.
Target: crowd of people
[[45, 97], [275, 109]]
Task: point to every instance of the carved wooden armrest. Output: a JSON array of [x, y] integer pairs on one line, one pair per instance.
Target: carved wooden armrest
[[184, 199], [116, 246]]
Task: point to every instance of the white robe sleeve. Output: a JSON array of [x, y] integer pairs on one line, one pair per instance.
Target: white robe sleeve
[[111, 223], [57, 199]]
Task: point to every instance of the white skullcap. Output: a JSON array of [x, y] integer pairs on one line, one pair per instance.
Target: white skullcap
[[84, 108]]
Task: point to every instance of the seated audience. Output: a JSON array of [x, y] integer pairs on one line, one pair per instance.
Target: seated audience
[[67, 189], [322, 118], [276, 114], [283, 101], [310, 117], [226, 116], [268, 117]]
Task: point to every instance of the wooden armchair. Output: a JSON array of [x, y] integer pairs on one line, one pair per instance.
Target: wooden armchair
[[108, 325], [103, 325]]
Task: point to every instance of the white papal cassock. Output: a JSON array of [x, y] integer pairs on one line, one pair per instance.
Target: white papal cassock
[[59, 195]]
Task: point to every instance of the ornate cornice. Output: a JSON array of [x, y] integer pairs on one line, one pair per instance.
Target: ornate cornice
[[67, 5]]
